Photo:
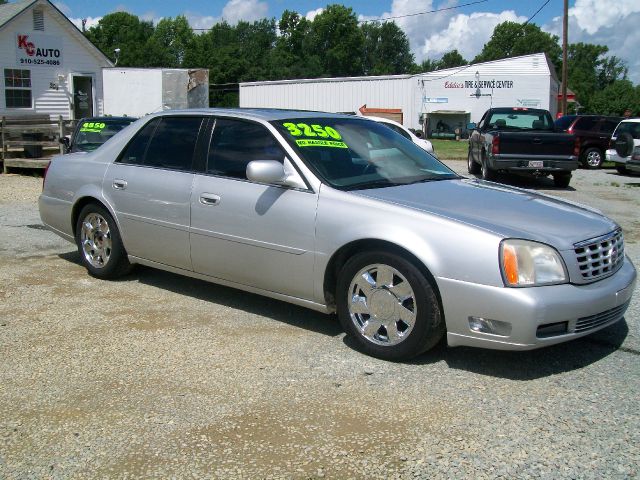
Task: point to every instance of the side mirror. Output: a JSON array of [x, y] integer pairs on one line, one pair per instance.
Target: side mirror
[[64, 141], [471, 126], [266, 171]]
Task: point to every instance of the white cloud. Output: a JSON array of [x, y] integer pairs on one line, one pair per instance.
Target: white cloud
[[466, 33], [592, 21], [247, 10], [201, 21], [91, 22], [310, 15]]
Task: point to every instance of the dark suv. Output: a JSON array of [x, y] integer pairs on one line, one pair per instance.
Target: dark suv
[[593, 132]]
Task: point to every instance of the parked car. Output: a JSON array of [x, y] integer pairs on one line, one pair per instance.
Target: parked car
[[593, 133], [521, 140], [341, 214], [92, 132], [405, 132], [625, 142]]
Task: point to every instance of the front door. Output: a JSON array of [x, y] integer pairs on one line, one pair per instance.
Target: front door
[[82, 96]]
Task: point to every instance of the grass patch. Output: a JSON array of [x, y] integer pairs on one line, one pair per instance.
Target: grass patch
[[615, 184], [450, 149]]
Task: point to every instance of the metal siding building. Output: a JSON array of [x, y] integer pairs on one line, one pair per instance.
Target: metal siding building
[[449, 97]]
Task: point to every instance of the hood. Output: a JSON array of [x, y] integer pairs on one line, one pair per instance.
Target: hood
[[507, 211]]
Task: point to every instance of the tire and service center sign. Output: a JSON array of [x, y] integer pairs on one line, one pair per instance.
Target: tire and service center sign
[[33, 49]]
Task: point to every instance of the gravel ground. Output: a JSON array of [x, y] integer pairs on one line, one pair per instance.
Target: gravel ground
[[162, 376]]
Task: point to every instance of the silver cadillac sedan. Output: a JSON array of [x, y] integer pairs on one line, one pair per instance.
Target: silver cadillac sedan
[[341, 214]]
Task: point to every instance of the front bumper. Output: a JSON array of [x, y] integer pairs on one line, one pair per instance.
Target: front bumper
[[516, 163], [526, 309]]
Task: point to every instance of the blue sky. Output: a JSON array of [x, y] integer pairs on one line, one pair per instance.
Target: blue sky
[[431, 35]]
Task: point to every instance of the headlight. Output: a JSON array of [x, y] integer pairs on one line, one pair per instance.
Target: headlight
[[527, 264]]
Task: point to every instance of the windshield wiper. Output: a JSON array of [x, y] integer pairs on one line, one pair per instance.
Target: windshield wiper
[[371, 184]]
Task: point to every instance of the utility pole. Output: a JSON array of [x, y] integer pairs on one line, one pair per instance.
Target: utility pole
[[565, 34]]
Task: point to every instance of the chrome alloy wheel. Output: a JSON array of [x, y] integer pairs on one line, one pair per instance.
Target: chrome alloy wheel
[[95, 239], [382, 305], [594, 158]]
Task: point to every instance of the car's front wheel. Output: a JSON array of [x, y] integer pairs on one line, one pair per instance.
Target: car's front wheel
[[388, 306], [99, 243]]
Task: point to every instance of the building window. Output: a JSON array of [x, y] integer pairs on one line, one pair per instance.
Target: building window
[[17, 91]]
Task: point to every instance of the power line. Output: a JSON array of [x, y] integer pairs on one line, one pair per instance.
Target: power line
[[424, 13], [537, 12]]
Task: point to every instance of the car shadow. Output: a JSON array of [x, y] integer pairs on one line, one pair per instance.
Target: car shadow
[[229, 297], [533, 364]]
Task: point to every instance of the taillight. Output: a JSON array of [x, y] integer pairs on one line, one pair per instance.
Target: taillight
[[44, 176], [495, 145], [576, 147]]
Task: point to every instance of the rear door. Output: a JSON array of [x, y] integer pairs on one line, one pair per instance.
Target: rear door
[[149, 187], [249, 233]]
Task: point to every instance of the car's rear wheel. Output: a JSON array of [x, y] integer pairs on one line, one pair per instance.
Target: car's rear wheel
[[487, 172], [561, 180], [388, 306], [592, 158], [472, 166], [99, 243]]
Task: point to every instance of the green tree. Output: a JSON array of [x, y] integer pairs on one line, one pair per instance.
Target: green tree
[[386, 49], [615, 98], [289, 57], [335, 42], [128, 33], [175, 37], [511, 39], [451, 59]]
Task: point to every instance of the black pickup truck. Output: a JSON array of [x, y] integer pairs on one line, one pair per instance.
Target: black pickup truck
[[521, 140]]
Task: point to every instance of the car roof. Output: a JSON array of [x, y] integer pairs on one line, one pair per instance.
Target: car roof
[[108, 118], [266, 114], [631, 120]]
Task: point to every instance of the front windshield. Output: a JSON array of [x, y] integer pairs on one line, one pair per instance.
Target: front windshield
[[92, 134], [353, 153]]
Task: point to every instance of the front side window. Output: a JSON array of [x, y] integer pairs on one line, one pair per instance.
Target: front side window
[[166, 142], [17, 91], [235, 143], [351, 153]]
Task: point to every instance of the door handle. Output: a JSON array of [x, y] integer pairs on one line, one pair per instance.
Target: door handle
[[537, 140], [119, 184], [209, 199]]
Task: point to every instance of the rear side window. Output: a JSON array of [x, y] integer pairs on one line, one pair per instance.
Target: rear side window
[[235, 143], [608, 126], [133, 154], [563, 123], [585, 123], [167, 142], [632, 128]]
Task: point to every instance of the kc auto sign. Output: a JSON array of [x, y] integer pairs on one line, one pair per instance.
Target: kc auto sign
[[36, 50]]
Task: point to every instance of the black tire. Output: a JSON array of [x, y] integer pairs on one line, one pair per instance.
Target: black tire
[[102, 242], [623, 144], [487, 173], [592, 158], [561, 180], [472, 166], [622, 169], [423, 306]]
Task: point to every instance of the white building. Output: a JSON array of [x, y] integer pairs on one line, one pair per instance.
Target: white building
[[448, 99], [47, 64]]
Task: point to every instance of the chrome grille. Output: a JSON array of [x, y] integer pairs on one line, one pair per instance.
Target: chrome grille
[[593, 321], [600, 257]]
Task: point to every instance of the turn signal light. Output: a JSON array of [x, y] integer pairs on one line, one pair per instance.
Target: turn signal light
[[510, 264], [576, 147]]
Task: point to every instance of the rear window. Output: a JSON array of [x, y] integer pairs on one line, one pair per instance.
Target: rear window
[[520, 120], [632, 128], [586, 123], [94, 132]]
